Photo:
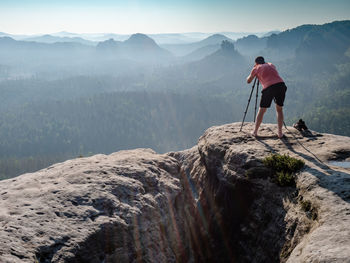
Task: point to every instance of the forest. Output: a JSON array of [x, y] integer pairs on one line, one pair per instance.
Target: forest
[[67, 100]]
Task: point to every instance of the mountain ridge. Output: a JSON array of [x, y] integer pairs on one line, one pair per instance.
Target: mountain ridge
[[185, 49], [54, 39], [138, 47]]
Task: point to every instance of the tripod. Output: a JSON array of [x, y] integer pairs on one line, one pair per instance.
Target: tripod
[[256, 101]]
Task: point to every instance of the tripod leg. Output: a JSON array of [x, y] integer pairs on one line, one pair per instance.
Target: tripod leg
[[256, 99], [250, 96]]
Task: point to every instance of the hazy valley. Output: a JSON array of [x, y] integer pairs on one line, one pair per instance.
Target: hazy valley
[[67, 95]]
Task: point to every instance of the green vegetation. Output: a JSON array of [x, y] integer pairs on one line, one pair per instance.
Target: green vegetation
[[283, 163], [9, 167], [285, 179], [35, 135], [284, 168], [331, 110]]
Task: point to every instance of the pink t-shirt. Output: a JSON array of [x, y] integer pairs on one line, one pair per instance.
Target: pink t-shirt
[[267, 74]]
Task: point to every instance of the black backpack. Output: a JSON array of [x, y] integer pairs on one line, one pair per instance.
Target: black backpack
[[300, 125]]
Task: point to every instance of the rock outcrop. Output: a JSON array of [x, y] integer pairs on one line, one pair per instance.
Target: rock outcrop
[[114, 208], [215, 202]]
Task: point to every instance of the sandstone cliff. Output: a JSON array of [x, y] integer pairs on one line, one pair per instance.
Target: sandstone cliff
[[212, 203]]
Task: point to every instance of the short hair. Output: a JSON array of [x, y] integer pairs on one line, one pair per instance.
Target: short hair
[[260, 60]]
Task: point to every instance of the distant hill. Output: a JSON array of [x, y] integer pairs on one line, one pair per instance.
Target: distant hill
[[201, 53], [7, 41], [27, 58], [16, 37], [138, 47], [55, 39], [246, 46], [271, 33], [324, 43], [172, 38], [2, 34], [141, 40], [309, 41], [251, 45], [290, 38], [225, 61], [93, 37], [54, 60], [12, 43], [212, 40], [161, 38], [108, 45], [9, 44], [227, 55], [185, 49]]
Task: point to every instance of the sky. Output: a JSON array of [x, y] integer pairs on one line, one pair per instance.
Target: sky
[[165, 16]]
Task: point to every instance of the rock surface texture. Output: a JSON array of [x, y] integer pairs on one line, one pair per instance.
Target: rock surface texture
[[215, 202]]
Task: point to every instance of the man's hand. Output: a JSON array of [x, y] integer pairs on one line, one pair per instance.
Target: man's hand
[[249, 79]]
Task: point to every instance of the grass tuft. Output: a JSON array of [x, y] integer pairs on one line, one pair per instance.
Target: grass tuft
[[284, 168], [285, 179]]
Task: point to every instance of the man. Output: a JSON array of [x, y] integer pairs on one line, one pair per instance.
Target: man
[[273, 88]]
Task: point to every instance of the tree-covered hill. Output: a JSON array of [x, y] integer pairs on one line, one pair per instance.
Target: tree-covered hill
[[330, 112], [106, 123], [304, 42]]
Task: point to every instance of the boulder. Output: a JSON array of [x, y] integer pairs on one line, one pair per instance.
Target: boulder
[[215, 202], [115, 208]]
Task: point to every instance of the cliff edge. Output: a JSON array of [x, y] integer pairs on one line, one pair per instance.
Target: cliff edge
[[213, 202]]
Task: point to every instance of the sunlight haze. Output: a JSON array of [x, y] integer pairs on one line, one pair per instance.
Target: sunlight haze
[[151, 16]]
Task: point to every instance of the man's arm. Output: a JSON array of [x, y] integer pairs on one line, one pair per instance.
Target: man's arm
[[252, 75]]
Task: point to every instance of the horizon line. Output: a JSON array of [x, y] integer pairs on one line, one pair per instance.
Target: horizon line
[[125, 34], [160, 33]]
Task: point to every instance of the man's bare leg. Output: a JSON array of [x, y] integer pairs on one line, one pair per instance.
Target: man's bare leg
[[279, 111], [258, 120]]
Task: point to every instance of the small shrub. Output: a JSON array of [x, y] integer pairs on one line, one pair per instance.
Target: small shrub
[[285, 179], [283, 163], [284, 168]]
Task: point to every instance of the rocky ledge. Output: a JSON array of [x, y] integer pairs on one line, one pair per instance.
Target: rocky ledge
[[215, 202]]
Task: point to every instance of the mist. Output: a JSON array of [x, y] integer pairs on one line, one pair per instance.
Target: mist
[[66, 97]]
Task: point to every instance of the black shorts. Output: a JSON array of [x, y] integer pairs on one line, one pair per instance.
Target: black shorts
[[277, 92]]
